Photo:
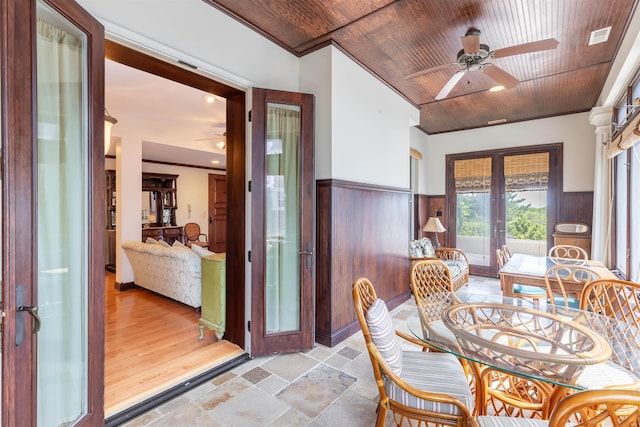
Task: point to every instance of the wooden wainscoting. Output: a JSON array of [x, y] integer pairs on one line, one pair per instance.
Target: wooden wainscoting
[[576, 206], [362, 230]]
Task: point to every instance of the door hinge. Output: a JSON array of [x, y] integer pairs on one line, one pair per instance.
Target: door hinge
[[249, 255], [249, 115], [249, 325], [249, 186]]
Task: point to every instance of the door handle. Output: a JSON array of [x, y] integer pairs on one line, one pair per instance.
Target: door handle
[[32, 310]]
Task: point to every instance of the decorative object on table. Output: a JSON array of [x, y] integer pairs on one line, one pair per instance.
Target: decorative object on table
[[434, 226], [433, 382], [455, 263], [192, 234]]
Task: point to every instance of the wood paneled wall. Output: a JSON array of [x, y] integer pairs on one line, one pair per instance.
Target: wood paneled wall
[[426, 207], [576, 207], [362, 230]]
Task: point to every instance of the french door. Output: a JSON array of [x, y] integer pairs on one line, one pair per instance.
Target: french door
[[52, 87], [503, 197], [283, 226]]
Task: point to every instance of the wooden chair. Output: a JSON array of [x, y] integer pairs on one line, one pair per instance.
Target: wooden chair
[[618, 299], [564, 281], [535, 293], [192, 235], [568, 251], [408, 380], [589, 408]]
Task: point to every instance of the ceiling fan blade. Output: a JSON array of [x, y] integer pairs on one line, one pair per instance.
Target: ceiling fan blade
[[429, 70], [538, 46], [471, 44], [450, 84], [500, 76]]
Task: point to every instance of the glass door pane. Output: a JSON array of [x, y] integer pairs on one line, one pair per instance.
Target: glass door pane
[[62, 219], [473, 209], [526, 183], [282, 213]]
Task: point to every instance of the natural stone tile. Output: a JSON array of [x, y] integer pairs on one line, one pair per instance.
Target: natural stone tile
[[250, 364], [403, 314], [186, 415], [202, 389], [221, 379], [253, 407], [291, 418], [360, 367], [145, 419], [320, 353], [314, 391], [366, 389], [350, 410], [290, 366], [173, 404], [222, 394], [349, 352], [337, 361], [256, 375], [273, 384]]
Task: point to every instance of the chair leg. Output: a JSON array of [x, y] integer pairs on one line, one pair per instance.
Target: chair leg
[[382, 415]]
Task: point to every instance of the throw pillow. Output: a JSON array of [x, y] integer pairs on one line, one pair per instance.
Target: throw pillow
[[151, 241], [201, 251], [163, 243], [383, 335], [427, 248], [178, 244], [415, 249]]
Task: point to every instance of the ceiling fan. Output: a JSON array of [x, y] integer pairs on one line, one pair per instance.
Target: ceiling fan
[[474, 55], [221, 144]]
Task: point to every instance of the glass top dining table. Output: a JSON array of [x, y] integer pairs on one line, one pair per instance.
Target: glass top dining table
[[546, 342]]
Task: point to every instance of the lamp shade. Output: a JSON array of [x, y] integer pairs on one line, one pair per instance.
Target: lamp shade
[[434, 225]]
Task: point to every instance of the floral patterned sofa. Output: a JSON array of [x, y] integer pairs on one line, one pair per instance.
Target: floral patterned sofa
[[172, 271], [445, 269]]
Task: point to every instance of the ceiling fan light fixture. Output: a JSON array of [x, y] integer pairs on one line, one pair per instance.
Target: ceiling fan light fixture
[[497, 88]]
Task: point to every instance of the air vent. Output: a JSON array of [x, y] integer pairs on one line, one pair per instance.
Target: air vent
[[599, 36], [495, 122]]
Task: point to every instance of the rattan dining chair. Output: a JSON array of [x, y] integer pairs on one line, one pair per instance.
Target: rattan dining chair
[[589, 408], [568, 251], [618, 299], [567, 276], [417, 387]]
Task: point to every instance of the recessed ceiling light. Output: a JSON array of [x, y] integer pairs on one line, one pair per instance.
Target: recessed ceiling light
[[215, 162], [495, 122], [210, 99], [497, 88], [599, 36]]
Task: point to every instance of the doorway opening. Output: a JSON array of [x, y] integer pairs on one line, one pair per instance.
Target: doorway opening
[[123, 306]]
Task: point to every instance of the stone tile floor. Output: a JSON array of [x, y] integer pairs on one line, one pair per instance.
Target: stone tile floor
[[325, 386]]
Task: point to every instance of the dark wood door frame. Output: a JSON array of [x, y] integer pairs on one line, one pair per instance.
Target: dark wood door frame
[[554, 193], [236, 153]]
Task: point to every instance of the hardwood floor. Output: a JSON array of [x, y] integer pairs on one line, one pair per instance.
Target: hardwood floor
[[151, 344]]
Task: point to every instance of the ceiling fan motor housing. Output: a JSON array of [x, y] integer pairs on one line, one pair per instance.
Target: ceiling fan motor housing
[[473, 59]]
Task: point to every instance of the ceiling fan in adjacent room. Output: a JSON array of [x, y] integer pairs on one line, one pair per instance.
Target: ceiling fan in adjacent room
[[474, 56], [222, 140]]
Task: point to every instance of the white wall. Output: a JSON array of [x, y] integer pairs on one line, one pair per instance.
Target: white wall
[[574, 131], [362, 126], [198, 33]]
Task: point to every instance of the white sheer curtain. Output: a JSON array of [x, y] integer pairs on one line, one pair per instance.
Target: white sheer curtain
[[62, 213], [601, 227], [282, 218]]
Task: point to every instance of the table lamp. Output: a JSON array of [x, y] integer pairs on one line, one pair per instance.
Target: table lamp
[[435, 226]]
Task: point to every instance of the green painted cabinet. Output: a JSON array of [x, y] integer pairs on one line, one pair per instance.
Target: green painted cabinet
[[213, 310]]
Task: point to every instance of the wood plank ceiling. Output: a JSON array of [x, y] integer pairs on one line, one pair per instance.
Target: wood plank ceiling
[[395, 38]]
